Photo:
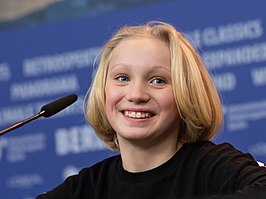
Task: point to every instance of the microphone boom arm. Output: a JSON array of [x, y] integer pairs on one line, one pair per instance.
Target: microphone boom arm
[[18, 124], [46, 111]]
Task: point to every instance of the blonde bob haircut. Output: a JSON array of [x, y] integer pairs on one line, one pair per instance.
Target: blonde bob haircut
[[195, 94]]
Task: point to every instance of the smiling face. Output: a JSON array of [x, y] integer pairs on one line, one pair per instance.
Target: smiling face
[[140, 104]]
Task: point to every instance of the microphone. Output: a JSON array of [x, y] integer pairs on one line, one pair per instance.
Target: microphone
[[58, 105], [47, 110]]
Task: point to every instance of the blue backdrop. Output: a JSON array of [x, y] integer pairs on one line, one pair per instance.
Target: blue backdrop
[[42, 63]]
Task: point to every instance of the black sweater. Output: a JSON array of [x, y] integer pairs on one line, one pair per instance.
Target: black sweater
[[199, 169]]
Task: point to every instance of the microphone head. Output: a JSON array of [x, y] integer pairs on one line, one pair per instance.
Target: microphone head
[[58, 105]]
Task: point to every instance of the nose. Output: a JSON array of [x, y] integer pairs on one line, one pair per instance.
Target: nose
[[138, 93]]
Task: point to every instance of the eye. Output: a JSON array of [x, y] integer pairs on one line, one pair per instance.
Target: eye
[[158, 81], [122, 78]]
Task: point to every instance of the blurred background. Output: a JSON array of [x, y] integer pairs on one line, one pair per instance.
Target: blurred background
[[19, 13], [48, 49]]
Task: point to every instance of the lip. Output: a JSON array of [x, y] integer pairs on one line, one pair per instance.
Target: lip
[[138, 114]]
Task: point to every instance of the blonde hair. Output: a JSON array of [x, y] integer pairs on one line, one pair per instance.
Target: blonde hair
[[195, 94]]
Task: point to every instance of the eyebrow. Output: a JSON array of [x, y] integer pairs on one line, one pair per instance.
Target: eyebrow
[[122, 65]]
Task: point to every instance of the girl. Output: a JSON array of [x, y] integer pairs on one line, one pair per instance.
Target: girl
[[153, 101]]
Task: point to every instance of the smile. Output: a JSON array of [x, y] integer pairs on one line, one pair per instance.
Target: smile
[[133, 114]]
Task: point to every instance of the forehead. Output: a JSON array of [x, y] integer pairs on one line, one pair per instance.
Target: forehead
[[141, 48], [141, 41], [140, 55]]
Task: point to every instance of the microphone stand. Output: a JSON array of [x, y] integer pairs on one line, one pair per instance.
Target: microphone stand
[[46, 111], [41, 113]]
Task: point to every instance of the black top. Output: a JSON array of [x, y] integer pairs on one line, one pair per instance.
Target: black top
[[197, 170]]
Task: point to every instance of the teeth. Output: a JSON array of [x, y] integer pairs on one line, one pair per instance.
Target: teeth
[[133, 114]]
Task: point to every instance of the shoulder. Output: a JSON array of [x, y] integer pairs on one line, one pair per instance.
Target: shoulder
[[100, 166], [219, 155], [83, 184], [95, 173], [210, 148]]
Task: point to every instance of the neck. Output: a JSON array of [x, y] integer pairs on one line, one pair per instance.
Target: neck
[[140, 157]]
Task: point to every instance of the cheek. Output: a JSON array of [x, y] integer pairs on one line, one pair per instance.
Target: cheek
[[111, 98], [167, 100], [169, 108], [168, 105], [108, 99]]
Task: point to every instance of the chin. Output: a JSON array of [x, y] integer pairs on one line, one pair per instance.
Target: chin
[[139, 138]]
